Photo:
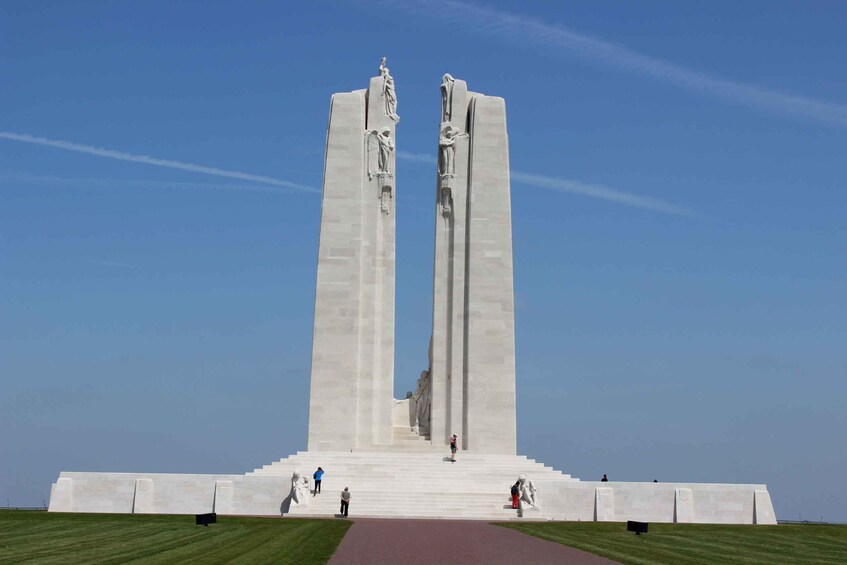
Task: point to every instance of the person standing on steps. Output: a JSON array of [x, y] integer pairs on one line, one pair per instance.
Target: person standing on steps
[[345, 501], [318, 476], [516, 491], [605, 479], [454, 447]]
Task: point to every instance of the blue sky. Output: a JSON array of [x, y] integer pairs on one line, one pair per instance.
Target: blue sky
[[678, 203]]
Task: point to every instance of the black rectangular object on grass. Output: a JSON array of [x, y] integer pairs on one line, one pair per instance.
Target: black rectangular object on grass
[[206, 519], [637, 527]]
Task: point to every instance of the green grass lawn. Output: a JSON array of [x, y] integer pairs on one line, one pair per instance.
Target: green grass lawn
[[39, 537], [683, 544]]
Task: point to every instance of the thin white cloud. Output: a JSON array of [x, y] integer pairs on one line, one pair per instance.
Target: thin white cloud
[[120, 155], [521, 30], [106, 183], [575, 187], [285, 187], [599, 191]]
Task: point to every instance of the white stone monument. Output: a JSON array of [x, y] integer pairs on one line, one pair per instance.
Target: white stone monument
[[392, 452], [473, 317], [352, 385]]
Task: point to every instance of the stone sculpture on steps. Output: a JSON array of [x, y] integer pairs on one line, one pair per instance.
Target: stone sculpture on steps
[[299, 489], [528, 494]]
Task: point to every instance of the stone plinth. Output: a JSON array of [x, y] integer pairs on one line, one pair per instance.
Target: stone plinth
[[393, 483]]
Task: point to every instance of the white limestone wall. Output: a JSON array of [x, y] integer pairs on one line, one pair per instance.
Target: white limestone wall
[[473, 298], [697, 503], [490, 305], [448, 311], [388, 483], [160, 493], [376, 361], [352, 381], [401, 414], [338, 308]]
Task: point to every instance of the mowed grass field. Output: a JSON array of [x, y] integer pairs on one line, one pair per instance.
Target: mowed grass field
[[39, 537], [688, 544]]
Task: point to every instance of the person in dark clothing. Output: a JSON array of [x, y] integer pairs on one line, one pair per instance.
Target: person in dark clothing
[[318, 476], [345, 501], [454, 447], [605, 479]]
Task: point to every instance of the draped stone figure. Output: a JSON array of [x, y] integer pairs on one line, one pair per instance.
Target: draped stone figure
[[299, 489], [388, 92], [423, 404], [528, 494], [422, 399], [447, 154], [447, 97], [384, 148]]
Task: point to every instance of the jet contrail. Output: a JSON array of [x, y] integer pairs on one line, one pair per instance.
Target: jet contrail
[[599, 191], [112, 154], [575, 187], [142, 183]]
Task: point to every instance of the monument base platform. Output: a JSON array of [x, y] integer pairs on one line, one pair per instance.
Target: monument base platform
[[404, 484]]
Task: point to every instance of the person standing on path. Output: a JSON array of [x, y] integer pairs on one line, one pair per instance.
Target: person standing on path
[[345, 501], [318, 476], [454, 447]]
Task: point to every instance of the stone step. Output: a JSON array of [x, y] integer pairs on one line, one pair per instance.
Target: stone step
[[372, 453], [458, 466], [418, 475], [410, 459]]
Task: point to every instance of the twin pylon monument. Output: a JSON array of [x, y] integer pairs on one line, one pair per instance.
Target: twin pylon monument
[[389, 452], [469, 387]]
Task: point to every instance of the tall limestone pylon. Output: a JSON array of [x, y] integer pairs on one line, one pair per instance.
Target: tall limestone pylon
[[352, 380], [473, 338]]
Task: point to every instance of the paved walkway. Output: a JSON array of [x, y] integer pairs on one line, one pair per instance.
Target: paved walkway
[[413, 542]]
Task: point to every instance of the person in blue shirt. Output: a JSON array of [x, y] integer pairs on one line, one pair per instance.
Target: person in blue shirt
[[317, 476]]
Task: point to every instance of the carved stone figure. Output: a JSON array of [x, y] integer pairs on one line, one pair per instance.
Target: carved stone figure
[[528, 494], [384, 148], [423, 404], [299, 489], [422, 398], [385, 197], [388, 92], [447, 155], [446, 200], [447, 97]]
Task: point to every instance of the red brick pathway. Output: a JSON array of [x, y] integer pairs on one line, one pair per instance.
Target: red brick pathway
[[412, 542]]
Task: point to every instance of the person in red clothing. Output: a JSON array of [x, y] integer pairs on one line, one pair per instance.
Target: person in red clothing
[[516, 490]]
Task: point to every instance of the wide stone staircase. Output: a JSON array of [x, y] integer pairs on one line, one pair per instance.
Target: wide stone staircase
[[413, 479]]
